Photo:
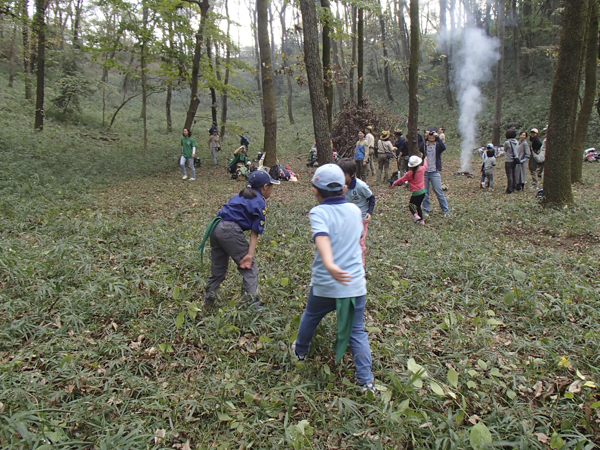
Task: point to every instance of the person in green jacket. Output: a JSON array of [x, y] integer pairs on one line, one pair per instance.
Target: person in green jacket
[[239, 156], [188, 153]]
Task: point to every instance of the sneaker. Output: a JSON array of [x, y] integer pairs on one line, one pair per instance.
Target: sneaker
[[295, 355], [421, 222], [210, 297], [483, 185], [369, 387], [416, 218], [192, 179], [184, 177]]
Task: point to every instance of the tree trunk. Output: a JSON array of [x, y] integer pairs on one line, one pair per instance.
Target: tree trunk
[[499, 75], [26, 50], [76, 24], [11, 57], [213, 93], [516, 46], [270, 112], [170, 81], [144, 42], [194, 100], [258, 68], [286, 56], [413, 79], [338, 70], [563, 104], [403, 32], [445, 59], [386, 65], [40, 29], [589, 95], [353, 63], [360, 35], [327, 74], [314, 71], [226, 80]]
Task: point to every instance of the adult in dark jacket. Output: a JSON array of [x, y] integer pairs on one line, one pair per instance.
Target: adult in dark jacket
[[511, 160], [401, 151], [535, 167], [432, 148]]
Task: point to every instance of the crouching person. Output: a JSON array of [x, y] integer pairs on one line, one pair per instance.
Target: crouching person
[[338, 278]]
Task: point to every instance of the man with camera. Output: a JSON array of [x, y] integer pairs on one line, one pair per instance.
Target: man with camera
[[432, 148]]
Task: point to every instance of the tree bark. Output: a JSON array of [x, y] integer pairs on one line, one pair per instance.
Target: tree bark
[[314, 72], [213, 92], [516, 46], [11, 57], [353, 63], [413, 79], [338, 70], [499, 75], [327, 74], [40, 29], [589, 95], [445, 59], [563, 105], [258, 68], [270, 112], [26, 50], [144, 77], [76, 24], [170, 81], [226, 79], [360, 56], [194, 100], [386, 65], [286, 56], [403, 32]]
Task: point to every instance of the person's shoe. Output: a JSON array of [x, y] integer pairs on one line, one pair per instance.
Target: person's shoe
[[369, 387], [416, 218], [483, 185], [295, 355], [184, 177], [421, 222], [507, 192], [210, 297], [192, 179]]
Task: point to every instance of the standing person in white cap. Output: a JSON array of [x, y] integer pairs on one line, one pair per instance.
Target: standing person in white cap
[[416, 183], [536, 162]]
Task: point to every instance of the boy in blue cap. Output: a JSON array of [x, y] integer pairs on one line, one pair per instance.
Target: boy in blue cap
[[338, 278], [243, 212]]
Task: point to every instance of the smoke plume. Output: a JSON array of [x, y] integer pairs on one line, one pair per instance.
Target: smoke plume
[[475, 59]]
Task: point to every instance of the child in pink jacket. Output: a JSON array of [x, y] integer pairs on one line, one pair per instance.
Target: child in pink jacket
[[416, 183]]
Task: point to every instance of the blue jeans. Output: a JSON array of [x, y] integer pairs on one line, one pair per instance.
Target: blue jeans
[[316, 309], [190, 163], [436, 182]]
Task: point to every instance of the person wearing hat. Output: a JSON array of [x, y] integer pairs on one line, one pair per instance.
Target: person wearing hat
[[245, 211], [536, 162], [338, 277], [401, 147], [361, 156], [432, 149], [416, 183], [385, 152], [371, 141]]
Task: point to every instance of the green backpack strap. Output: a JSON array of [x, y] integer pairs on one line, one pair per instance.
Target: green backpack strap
[[209, 229], [345, 320]]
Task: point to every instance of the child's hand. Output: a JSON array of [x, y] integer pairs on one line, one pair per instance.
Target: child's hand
[[339, 275], [367, 216], [246, 262]]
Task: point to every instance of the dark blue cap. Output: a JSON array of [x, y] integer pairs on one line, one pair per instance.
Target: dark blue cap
[[259, 178]]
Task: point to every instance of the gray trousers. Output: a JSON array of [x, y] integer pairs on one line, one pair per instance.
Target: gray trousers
[[489, 176], [371, 163], [228, 240], [214, 153], [383, 164]]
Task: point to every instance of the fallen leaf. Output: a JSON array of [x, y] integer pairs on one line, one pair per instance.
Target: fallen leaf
[[159, 435], [537, 387], [541, 437], [575, 387]]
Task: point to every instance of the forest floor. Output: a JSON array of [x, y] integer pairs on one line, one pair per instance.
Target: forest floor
[[484, 326]]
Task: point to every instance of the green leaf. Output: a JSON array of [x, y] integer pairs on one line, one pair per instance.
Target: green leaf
[[284, 281], [452, 377], [193, 310], [176, 293], [66, 360], [326, 369], [480, 436], [373, 330], [481, 363], [386, 396], [223, 417], [511, 394], [179, 320], [495, 372], [471, 384], [569, 395], [248, 398], [416, 368], [509, 298], [404, 404], [494, 323], [595, 405], [519, 276], [436, 388]]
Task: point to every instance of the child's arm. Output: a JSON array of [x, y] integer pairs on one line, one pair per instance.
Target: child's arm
[[371, 201], [246, 261], [324, 248]]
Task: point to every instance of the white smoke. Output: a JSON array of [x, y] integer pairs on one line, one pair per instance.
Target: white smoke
[[474, 61]]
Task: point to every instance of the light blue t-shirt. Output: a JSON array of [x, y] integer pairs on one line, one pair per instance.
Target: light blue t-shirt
[[359, 194], [342, 222]]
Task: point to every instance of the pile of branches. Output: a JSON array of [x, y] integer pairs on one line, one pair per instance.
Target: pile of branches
[[353, 118]]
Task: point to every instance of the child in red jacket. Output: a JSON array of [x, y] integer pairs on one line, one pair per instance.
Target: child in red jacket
[[416, 183]]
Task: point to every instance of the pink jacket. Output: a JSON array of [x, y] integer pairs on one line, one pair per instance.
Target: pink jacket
[[416, 182]]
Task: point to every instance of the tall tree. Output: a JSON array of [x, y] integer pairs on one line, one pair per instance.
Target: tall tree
[[413, 79], [445, 59], [353, 62], [360, 35], [563, 104], [224, 96], [285, 58], [194, 100], [327, 74], [26, 49], [589, 95], [213, 92], [386, 63], [258, 67], [269, 112], [144, 39], [40, 30], [314, 72], [501, 12], [516, 45]]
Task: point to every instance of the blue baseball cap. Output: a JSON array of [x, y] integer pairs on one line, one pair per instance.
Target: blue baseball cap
[[329, 178], [259, 178]]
